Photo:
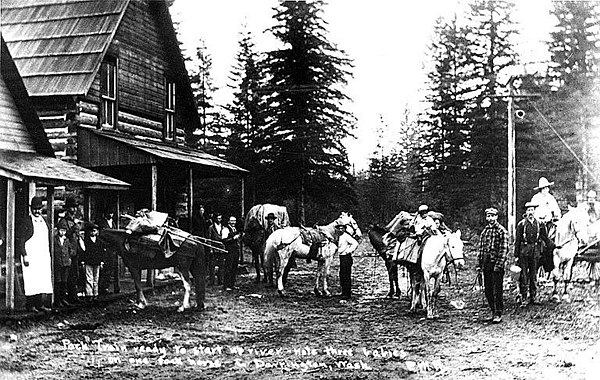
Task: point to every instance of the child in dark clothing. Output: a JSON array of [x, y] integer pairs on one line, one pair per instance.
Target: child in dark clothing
[[64, 252], [93, 252]]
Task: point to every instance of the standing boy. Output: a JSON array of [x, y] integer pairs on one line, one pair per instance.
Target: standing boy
[[64, 253], [493, 250], [93, 252]]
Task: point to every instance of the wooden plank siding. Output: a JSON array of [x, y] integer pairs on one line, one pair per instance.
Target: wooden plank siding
[[13, 132], [104, 152]]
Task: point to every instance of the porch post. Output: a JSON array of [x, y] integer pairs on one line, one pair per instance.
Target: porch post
[[50, 209], [10, 245], [151, 272], [117, 269], [191, 199]]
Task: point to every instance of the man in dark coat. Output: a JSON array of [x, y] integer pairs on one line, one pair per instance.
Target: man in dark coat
[[530, 234], [110, 270], [73, 234], [231, 240]]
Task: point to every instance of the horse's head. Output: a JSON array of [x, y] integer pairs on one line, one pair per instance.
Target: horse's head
[[352, 228], [253, 224], [574, 223], [456, 248]]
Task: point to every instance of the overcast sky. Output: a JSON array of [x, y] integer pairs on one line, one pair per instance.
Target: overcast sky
[[387, 39]]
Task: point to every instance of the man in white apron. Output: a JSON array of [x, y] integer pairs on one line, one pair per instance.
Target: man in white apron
[[35, 257]]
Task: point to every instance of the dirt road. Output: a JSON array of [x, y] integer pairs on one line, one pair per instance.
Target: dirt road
[[252, 333]]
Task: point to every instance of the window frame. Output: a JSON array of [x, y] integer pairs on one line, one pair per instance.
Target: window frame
[[109, 95], [169, 124]]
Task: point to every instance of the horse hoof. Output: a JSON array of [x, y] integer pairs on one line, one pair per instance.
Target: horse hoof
[[327, 294], [180, 309], [318, 292], [140, 305], [390, 295], [566, 298], [281, 293]]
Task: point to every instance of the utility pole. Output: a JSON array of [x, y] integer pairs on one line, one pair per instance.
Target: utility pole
[[514, 92]]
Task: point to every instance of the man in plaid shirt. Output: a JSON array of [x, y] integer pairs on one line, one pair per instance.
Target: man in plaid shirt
[[493, 250]]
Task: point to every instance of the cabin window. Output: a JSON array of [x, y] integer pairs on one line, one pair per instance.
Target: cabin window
[[169, 128], [108, 94]]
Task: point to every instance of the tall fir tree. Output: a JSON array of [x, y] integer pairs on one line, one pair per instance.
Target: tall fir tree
[[490, 35], [212, 133], [305, 119], [574, 104], [247, 110], [446, 126]]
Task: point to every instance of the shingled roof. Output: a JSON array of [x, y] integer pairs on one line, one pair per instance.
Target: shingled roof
[[58, 45]]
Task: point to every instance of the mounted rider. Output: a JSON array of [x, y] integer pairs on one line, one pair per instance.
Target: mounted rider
[[547, 210], [424, 224]]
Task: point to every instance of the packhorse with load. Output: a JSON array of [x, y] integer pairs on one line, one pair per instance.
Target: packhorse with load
[[148, 242]]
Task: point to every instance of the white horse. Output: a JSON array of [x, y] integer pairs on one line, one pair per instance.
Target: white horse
[[284, 243], [438, 251], [571, 233]]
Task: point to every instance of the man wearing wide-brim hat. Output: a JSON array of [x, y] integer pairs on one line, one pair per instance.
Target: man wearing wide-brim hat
[[530, 235], [547, 208], [271, 225], [493, 251]]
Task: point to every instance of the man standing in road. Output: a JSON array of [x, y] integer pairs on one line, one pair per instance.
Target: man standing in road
[[493, 250], [528, 244], [346, 245]]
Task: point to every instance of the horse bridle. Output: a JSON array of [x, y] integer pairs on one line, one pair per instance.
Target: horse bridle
[[353, 234]]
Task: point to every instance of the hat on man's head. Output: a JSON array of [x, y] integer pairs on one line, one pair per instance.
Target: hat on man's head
[[530, 204], [37, 202], [591, 194], [543, 182], [423, 208], [271, 216], [63, 224], [70, 202], [491, 211], [91, 226]]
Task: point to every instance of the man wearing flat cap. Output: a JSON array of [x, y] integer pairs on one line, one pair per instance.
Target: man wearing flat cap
[[530, 235], [493, 251]]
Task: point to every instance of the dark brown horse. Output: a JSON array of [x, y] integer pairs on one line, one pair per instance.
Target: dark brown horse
[[376, 237], [254, 238], [139, 253]]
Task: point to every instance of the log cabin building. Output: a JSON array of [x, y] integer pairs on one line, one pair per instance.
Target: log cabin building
[[27, 162], [108, 81]]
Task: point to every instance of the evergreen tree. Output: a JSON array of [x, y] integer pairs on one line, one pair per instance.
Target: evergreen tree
[[446, 126], [247, 110], [213, 133], [490, 35], [574, 104], [305, 121]]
